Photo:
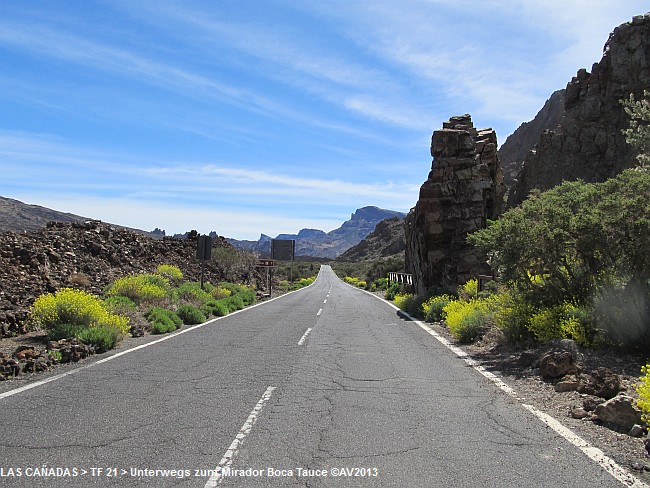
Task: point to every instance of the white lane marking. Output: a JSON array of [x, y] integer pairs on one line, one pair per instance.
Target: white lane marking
[[595, 454], [226, 460], [304, 337], [320, 311], [325, 301], [29, 386]]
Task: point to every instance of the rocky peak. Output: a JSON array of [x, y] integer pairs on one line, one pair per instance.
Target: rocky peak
[[588, 142], [463, 190]]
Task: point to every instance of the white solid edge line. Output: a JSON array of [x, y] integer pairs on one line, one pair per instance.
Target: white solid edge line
[[304, 337], [37, 383], [231, 452], [595, 454]]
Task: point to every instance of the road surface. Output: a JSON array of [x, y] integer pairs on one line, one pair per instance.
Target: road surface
[[327, 386]]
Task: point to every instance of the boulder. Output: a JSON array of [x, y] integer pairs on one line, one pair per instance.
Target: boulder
[[619, 411], [557, 364], [602, 382]]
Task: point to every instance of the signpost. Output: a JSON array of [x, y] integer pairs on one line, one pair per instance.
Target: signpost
[[203, 252], [268, 264]]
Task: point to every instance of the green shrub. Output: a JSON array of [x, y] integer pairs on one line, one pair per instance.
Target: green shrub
[[163, 320], [101, 337], [392, 290], [68, 306], [170, 272], [512, 317], [191, 291], [433, 307], [245, 293], [119, 303], [141, 288], [233, 303], [380, 284], [215, 307], [162, 325], [190, 315]]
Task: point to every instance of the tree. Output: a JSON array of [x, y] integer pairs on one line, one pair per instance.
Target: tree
[[638, 133], [566, 243]]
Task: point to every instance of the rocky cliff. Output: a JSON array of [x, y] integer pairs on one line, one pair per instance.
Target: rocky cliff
[[518, 144], [464, 189], [386, 240], [588, 143]]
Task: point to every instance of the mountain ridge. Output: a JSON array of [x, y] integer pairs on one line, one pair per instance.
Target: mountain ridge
[[317, 243]]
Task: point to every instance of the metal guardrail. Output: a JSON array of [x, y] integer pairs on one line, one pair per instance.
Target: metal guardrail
[[404, 278]]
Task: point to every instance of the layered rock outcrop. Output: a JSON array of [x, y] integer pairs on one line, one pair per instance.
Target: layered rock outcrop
[[588, 142], [464, 189]]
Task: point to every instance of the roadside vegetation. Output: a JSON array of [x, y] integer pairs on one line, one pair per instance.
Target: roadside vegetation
[[293, 276], [368, 275], [157, 303]]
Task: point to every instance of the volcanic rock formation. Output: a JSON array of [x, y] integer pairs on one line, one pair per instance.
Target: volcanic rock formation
[[463, 190], [588, 142]]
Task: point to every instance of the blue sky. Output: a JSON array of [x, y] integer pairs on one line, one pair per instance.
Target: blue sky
[[266, 115]]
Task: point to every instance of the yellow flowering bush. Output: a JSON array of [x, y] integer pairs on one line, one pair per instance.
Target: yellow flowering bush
[[433, 307], [74, 307], [643, 391], [140, 287], [220, 292], [355, 282], [403, 300], [468, 320], [172, 273], [562, 321]]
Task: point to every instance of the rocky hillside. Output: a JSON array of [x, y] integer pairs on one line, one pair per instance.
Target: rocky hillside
[[88, 255], [317, 243], [16, 216], [588, 142], [517, 146], [386, 240]]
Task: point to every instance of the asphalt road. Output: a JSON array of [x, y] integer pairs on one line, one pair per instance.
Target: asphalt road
[[364, 398]]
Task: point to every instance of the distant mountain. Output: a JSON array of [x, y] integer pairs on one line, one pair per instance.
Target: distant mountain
[[317, 243], [388, 239], [16, 216]]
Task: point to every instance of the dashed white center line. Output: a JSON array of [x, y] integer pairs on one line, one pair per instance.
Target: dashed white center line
[[227, 458], [304, 337], [320, 311], [325, 301]]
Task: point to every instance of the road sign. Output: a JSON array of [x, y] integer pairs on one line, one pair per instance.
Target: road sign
[[204, 247], [283, 249], [266, 263]]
